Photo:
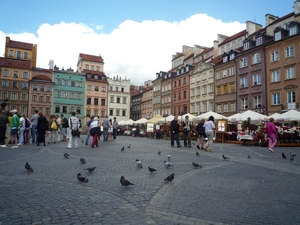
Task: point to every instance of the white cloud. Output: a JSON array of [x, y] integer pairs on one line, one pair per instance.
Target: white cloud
[[132, 50]]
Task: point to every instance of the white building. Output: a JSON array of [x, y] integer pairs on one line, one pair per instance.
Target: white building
[[118, 98]]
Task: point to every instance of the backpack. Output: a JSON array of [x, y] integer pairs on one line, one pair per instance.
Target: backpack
[[54, 125], [27, 123]]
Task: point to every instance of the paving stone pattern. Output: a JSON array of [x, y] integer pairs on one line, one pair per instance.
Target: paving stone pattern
[[262, 190]]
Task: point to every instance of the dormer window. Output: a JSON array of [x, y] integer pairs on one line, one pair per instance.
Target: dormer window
[[178, 72], [187, 68], [258, 41], [182, 70], [277, 35], [293, 30], [231, 57], [246, 45], [225, 59]]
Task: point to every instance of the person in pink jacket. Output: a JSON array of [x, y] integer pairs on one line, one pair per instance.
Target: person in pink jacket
[[272, 134]]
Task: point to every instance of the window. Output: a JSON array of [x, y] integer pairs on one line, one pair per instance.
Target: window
[[26, 57], [5, 73], [4, 95], [256, 58], [233, 45], [92, 67], [231, 71], [79, 84], [25, 75], [97, 68], [219, 109], [256, 79], [47, 111], [225, 108], [24, 85], [225, 59], [244, 82], [16, 74], [276, 98], [65, 109], [193, 80], [110, 88], [222, 49], [277, 35], [291, 96], [86, 66], [232, 56], [102, 101], [57, 108], [289, 51], [71, 109], [89, 87], [228, 47], [88, 101], [293, 30], [14, 96], [275, 76], [243, 62], [198, 90], [232, 107], [79, 95], [34, 98], [211, 74], [4, 83], [72, 95], [218, 75], [58, 81], [111, 112], [290, 73], [204, 106], [24, 97], [47, 98], [184, 80], [41, 98], [103, 89], [19, 54], [42, 88], [11, 53], [204, 89], [274, 56], [48, 89], [15, 84], [57, 94], [240, 43], [211, 88], [65, 94], [65, 83], [258, 41], [257, 101], [224, 73], [95, 101], [73, 83], [78, 110], [204, 76], [246, 45], [96, 88], [244, 102], [184, 94], [111, 99]]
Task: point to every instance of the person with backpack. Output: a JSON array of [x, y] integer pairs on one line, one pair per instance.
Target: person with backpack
[[201, 132], [64, 126], [27, 129]]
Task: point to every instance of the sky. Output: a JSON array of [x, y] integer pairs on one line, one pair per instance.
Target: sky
[[136, 38]]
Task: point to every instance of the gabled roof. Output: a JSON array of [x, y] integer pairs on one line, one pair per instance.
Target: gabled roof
[[16, 64], [91, 58], [282, 18], [233, 37], [218, 59], [178, 55], [18, 44]]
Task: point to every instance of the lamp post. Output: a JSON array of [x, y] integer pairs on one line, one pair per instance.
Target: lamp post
[[260, 109], [165, 115], [249, 119]]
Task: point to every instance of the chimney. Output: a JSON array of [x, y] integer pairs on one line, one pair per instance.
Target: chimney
[[270, 19], [51, 64], [252, 27], [297, 7]]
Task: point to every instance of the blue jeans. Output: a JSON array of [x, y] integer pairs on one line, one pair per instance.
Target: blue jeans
[[34, 134], [87, 138], [115, 131], [64, 132], [21, 135], [105, 134], [174, 136]]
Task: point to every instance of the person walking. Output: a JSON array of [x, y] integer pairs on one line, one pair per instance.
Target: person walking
[[42, 127], [187, 132], [115, 128], [105, 128], [272, 134], [88, 126], [27, 129], [14, 128], [201, 132], [53, 128], [58, 133], [34, 120], [209, 131], [3, 126], [157, 129], [174, 128], [22, 129], [110, 130], [64, 126], [74, 125], [94, 129]]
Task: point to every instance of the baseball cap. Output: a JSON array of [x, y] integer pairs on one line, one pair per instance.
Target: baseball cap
[[14, 111]]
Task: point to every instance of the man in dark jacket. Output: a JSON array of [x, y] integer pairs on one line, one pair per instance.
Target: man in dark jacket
[[3, 126], [174, 128], [201, 132]]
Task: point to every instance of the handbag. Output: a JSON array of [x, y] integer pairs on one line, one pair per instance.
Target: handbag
[[185, 130]]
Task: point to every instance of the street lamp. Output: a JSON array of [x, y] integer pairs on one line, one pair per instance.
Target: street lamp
[[165, 115], [249, 119]]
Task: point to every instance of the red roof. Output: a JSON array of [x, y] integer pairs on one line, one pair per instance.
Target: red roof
[[282, 18], [18, 44], [16, 63], [217, 59], [94, 72], [233, 37], [91, 58]]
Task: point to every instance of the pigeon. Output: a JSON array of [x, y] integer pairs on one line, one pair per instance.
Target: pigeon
[[169, 157], [167, 164], [197, 153], [82, 160], [122, 149], [196, 165], [193, 143], [292, 154], [128, 145], [292, 158], [138, 163], [225, 157], [66, 155], [90, 169], [82, 141], [82, 178], [170, 178], [158, 152], [283, 155], [125, 182], [151, 169], [249, 157], [28, 167]]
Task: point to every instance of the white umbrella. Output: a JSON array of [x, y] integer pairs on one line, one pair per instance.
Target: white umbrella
[[129, 122], [191, 117], [275, 115], [291, 115], [255, 117], [167, 119], [207, 115], [122, 122], [143, 120]]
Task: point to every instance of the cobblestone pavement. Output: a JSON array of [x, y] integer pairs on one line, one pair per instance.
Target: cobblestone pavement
[[261, 190]]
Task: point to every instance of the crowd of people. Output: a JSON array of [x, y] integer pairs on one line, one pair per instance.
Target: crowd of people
[[18, 129]]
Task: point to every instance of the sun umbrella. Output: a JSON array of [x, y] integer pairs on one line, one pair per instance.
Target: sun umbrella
[[155, 119], [207, 115]]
